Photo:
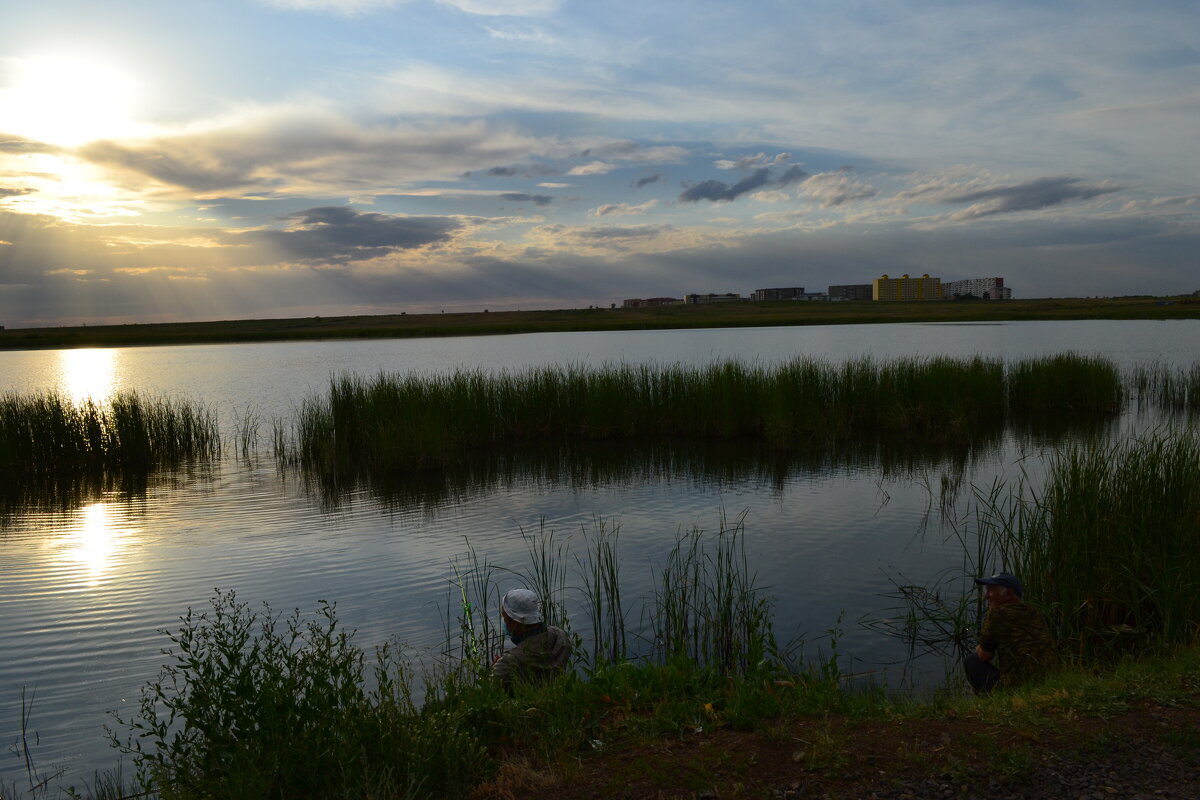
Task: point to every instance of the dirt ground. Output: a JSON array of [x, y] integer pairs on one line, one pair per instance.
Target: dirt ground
[[1150, 751]]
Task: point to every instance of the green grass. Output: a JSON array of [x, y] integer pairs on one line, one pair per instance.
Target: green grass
[[1109, 545], [53, 450], [717, 315], [403, 425]]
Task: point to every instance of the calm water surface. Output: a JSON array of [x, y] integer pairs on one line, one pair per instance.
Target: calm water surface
[[84, 591]]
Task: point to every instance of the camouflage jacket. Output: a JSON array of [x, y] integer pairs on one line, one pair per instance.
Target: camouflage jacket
[[537, 659], [1017, 635]]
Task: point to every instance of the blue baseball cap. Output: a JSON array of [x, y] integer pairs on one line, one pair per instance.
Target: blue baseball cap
[[1005, 579]]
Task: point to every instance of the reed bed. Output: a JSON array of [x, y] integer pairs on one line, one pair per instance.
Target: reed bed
[[394, 424], [1110, 547], [1169, 388], [45, 439]]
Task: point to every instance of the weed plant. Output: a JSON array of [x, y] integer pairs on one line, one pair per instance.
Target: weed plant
[[395, 425], [254, 705], [48, 443], [1172, 389], [1109, 546]]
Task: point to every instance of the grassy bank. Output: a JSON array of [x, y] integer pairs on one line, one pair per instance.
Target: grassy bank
[[395, 425], [718, 315]]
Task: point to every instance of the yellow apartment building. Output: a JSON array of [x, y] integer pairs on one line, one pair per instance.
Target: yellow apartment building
[[906, 288]]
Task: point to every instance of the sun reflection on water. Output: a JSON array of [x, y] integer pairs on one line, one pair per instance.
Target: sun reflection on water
[[95, 542], [89, 373]]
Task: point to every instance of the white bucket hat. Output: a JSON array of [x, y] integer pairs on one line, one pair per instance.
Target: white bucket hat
[[522, 605]]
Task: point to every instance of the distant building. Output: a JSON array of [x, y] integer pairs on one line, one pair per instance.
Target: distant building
[[639, 302], [906, 288], [790, 293], [983, 288], [851, 291], [701, 299]]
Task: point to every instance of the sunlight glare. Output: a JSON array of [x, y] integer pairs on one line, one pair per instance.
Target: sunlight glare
[[89, 373], [67, 100], [94, 542]]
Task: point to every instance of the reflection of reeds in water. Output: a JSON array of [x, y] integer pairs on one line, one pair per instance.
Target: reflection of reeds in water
[[395, 433], [53, 451]]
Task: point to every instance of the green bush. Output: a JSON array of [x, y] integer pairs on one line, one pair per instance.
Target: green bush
[[251, 705]]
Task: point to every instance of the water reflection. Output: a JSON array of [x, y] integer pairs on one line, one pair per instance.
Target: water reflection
[[578, 466], [95, 543], [88, 374]]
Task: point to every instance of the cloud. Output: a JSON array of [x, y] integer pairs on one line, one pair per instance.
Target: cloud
[[18, 144], [621, 232], [1185, 200], [550, 185], [294, 151], [719, 191], [521, 197], [528, 35], [832, 189], [336, 234], [622, 209], [754, 161], [509, 8], [793, 174], [635, 153], [347, 8], [1028, 196], [594, 168], [501, 172], [640, 182], [12, 192]]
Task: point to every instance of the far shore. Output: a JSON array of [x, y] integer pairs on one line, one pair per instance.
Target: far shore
[[490, 323]]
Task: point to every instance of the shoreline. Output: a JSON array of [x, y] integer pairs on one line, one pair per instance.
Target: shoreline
[[493, 323]]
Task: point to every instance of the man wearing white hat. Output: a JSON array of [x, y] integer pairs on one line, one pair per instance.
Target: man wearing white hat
[[541, 650]]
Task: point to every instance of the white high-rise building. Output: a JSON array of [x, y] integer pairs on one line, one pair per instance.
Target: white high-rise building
[[983, 288]]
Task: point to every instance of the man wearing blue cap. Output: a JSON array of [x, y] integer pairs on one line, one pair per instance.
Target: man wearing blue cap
[[1014, 631], [541, 650]]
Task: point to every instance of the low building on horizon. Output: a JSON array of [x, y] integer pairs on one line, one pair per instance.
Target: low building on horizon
[[983, 288], [850, 291], [701, 299], [646, 302], [906, 288], [787, 293]]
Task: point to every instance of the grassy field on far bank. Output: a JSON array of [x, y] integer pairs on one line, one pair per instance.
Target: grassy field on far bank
[[719, 315]]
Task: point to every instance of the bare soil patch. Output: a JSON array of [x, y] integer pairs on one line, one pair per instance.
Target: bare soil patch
[[1150, 751]]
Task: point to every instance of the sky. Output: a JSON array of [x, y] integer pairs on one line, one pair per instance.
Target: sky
[[225, 159]]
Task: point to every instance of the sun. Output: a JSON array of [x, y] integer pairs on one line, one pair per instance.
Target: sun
[[67, 100]]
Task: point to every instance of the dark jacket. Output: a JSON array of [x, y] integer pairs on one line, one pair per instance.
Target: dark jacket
[[538, 658]]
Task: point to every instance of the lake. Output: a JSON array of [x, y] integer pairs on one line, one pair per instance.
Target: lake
[[85, 590]]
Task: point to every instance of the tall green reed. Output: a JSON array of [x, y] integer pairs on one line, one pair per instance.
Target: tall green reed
[[1109, 545], [707, 606], [404, 425], [47, 436]]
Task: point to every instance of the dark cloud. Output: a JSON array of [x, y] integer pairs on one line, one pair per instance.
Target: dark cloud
[[719, 191], [9, 192], [521, 197], [793, 174], [337, 234], [1028, 196], [501, 172], [640, 182], [17, 144]]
